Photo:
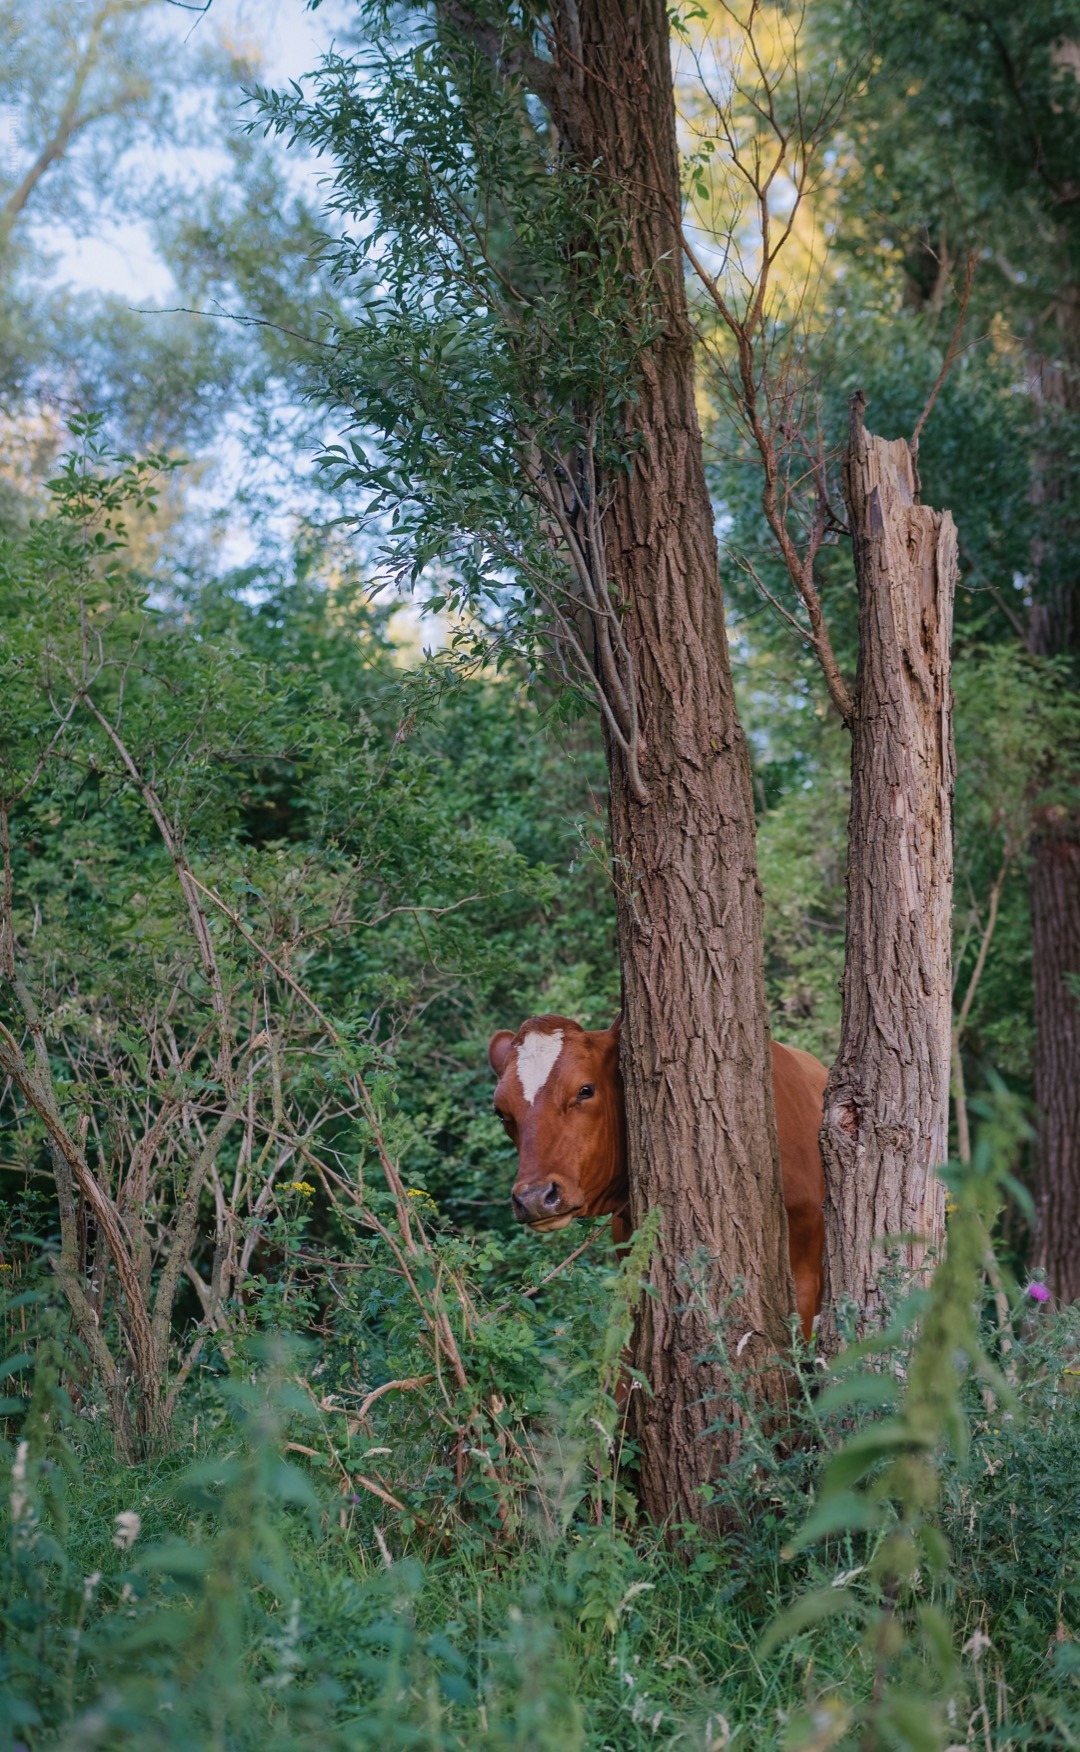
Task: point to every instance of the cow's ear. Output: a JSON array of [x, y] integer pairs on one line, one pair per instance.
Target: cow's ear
[[499, 1050], [616, 1028]]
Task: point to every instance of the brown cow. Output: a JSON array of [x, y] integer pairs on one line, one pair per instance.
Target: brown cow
[[560, 1097]]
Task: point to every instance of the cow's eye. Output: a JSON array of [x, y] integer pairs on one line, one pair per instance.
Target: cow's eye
[[586, 1092]]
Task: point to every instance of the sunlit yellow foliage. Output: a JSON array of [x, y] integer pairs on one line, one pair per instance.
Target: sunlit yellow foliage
[[756, 124]]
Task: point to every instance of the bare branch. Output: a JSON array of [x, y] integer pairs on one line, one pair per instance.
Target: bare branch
[[950, 353], [186, 879], [403, 1386]]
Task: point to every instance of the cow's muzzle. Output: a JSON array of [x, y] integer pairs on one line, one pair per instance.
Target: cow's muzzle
[[544, 1206]]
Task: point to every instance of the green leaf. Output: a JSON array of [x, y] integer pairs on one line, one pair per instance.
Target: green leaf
[[847, 1512], [862, 1389], [915, 1722], [935, 1547], [938, 1635], [176, 1557], [808, 1610], [862, 1452]]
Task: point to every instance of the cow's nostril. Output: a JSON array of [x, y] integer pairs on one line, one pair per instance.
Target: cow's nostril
[[520, 1211], [552, 1196]]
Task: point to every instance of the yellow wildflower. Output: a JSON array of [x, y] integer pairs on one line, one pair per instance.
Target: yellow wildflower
[[302, 1187]]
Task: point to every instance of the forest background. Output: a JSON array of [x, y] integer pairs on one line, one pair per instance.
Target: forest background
[[285, 821]]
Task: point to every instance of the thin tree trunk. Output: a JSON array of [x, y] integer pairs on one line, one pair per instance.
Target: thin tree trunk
[[66, 1266], [960, 1105], [701, 1127], [885, 1127], [1055, 911]]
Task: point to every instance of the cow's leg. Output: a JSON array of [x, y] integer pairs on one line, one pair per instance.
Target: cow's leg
[[621, 1231], [806, 1242]]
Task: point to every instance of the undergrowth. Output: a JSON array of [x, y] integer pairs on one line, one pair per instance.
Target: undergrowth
[[284, 1574]]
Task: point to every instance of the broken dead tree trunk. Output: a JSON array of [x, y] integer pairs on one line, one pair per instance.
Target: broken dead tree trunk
[[885, 1128]]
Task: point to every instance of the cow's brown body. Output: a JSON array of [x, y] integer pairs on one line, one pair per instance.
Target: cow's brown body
[[560, 1097]]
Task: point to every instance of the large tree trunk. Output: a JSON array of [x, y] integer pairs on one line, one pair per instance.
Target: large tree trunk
[[885, 1128], [701, 1128], [1055, 876], [1055, 908]]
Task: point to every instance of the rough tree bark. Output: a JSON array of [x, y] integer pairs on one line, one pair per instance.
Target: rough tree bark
[[1055, 910], [885, 1127], [1054, 631], [701, 1128]]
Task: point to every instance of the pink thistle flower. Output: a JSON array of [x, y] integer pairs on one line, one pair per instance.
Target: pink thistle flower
[[1038, 1292]]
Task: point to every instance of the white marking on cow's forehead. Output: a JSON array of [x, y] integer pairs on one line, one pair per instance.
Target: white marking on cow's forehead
[[536, 1059]]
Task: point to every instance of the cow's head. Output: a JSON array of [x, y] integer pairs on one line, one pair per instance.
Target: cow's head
[[560, 1097]]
